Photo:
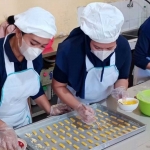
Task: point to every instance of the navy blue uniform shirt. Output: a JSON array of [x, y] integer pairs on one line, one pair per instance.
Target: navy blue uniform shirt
[[70, 61], [142, 48], [19, 66]]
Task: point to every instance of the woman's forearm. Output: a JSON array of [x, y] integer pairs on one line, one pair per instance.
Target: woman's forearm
[[43, 103], [65, 95], [122, 82]]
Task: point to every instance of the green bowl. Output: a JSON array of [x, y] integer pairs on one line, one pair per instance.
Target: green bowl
[[144, 101]]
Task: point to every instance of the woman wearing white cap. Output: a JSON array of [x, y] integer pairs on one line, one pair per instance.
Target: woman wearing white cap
[[94, 61], [20, 65]]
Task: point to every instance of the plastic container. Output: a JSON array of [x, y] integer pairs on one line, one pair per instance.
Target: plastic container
[[22, 144], [128, 108], [144, 101], [49, 48], [45, 90], [144, 14]]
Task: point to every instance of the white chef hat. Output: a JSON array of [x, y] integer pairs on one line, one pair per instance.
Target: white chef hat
[[37, 21], [102, 22]]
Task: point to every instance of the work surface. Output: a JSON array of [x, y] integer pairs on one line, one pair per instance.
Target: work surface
[[140, 141], [68, 132]]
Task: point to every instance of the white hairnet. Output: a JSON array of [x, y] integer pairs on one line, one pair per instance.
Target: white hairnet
[[102, 22], [36, 21]]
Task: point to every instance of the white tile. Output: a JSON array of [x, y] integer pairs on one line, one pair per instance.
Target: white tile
[[126, 14], [141, 13], [135, 23], [148, 13], [144, 12], [148, 9], [143, 20], [134, 11], [125, 26], [142, 2], [125, 3], [117, 4]]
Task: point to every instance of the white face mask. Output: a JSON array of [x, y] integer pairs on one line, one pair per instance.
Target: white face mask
[[30, 53], [103, 54]]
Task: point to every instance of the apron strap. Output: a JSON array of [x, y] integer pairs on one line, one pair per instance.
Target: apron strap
[[29, 64], [9, 66], [89, 65], [113, 59]]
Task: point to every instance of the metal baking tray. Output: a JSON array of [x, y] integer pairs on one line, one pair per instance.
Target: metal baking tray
[[105, 113]]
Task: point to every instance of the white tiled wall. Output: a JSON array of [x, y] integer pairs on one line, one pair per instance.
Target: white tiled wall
[[134, 16]]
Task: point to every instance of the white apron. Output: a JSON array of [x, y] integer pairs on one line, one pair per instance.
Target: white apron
[[95, 90], [14, 109], [140, 75]]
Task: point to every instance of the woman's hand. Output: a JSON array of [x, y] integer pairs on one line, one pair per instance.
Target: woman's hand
[[8, 138]]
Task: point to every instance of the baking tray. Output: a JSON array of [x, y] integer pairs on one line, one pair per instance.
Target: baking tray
[[104, 118]]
